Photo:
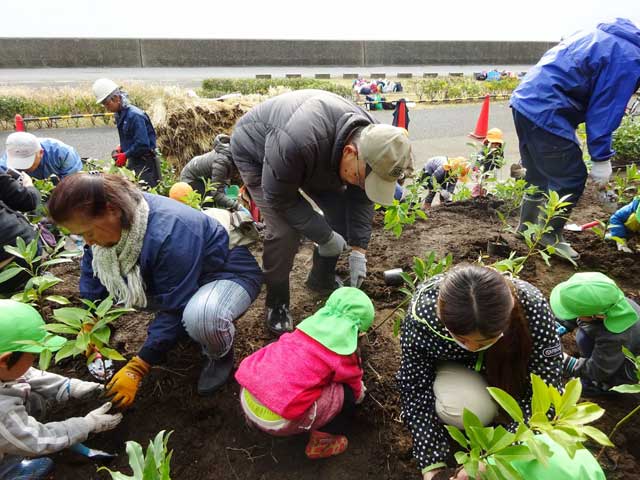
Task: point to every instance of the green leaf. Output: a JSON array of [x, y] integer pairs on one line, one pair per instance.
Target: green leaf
[[67, 350], [540, 401], [469, 419], [9, 273], [584, 413], [111, 354], [541, 451], [627, 388], [59, 299], [136, 459], [45, 359], [104, 307], [501, 439], [457, 435], [55, 261], [461, 457], [597, 435], [71, 316], [102, 334], [61, 328], [516, 452], [82, 342], [88, 303], [506, 470], [507, 402], [570, 397], [116, 475]]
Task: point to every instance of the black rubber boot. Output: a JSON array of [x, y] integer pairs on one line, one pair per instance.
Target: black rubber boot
[[529, 211], [277, 317], [322, 277], [556, 239], [215, 374]]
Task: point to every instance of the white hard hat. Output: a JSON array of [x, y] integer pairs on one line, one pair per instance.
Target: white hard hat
[[102, 88]]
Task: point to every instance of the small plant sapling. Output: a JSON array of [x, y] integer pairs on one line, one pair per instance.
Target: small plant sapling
[[405, 212], [489, 451], [155, 464], [511, 192], [35, 290], [88, 328], [627, 184], [423, 269]]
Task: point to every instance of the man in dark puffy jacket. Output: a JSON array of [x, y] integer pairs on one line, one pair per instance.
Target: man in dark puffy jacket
[[216, 166], [321, 144], [17, 194], [589, 77]]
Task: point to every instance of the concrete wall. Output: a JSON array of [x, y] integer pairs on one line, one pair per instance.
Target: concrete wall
[[69, 52], [32, 52]]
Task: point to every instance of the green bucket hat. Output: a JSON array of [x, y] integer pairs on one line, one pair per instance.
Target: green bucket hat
[[19, 322], [336, 325], [593, 293]]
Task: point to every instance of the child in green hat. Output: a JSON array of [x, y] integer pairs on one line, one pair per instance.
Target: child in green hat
[[623, 222], [311, 379], [606, 322], [25, 391]]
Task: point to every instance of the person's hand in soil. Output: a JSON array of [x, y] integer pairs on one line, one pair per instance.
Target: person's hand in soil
[[100, 421], [122, 388]]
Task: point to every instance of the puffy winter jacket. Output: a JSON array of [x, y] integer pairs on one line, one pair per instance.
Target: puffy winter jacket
[[183, 249], [589, 77], [14, 198], [295, 141], [216, 166]]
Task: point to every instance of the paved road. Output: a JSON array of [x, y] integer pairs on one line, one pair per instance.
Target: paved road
[[437, 130], [192, 77]]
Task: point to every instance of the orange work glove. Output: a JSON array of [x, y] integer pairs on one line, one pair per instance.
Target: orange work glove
[[124, 385]]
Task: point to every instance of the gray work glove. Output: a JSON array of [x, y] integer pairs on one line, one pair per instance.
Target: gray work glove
[[445, 195], [601, 172], [334, 247], [100, 421], [81, 389], [357, 268]]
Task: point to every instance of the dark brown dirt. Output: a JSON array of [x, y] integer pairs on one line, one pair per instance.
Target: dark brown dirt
[[211, 438]]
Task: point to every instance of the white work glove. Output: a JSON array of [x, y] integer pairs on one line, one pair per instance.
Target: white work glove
[[363, 392], [100, 421], [601, 172], [80, 389], [334, 247], [621, 243], [445, 195], [357, 268], [25, 179]]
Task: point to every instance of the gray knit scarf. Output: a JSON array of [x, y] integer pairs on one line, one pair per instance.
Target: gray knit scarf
[[117, 267]]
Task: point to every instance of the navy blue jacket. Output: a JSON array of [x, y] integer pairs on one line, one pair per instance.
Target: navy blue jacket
[[137, 135], [589, 77], [183, 249]]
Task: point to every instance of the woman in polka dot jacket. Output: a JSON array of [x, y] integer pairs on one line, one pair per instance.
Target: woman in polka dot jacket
[[465, 330]]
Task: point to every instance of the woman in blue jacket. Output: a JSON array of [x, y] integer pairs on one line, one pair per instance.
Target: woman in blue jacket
[[587, 78], [151, 252], [137, 137]]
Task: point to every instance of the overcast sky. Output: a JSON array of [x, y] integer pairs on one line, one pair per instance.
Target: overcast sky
[[304, 19]]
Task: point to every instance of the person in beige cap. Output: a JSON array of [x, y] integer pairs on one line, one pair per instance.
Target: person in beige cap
[[41, 158], [321, 144]]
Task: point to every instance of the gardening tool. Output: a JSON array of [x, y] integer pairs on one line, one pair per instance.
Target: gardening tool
[[579, 228], [93, 454], [392, 277]]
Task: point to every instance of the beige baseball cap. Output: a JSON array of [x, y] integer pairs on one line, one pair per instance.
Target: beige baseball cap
[[22, 148], [387, 151]]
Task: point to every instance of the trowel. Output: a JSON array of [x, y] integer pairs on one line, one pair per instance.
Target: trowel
[[579, 228]]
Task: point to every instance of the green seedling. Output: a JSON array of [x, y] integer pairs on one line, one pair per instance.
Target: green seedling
[[400, 214], [35, 290], [88, 331], [488, 452], [511, 192], [152, 465], [626, 184]]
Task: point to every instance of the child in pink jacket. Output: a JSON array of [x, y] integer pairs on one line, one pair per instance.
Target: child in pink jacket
[[311, 379]]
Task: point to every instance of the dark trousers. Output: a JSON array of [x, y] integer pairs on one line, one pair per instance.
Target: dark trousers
[[553, 163], [281, 241], [146, 168], [585, 343], [340, 423]]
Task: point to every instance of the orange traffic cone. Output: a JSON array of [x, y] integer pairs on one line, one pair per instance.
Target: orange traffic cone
[[19, 123], [483, 121]]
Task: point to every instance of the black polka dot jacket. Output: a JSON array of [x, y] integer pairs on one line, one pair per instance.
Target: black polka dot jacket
[[423, 349]]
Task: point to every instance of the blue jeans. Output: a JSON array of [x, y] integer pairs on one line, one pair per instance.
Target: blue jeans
[[209, 315], [553, 163]]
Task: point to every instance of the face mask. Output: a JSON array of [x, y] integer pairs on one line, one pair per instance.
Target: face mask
[[479, 349]]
